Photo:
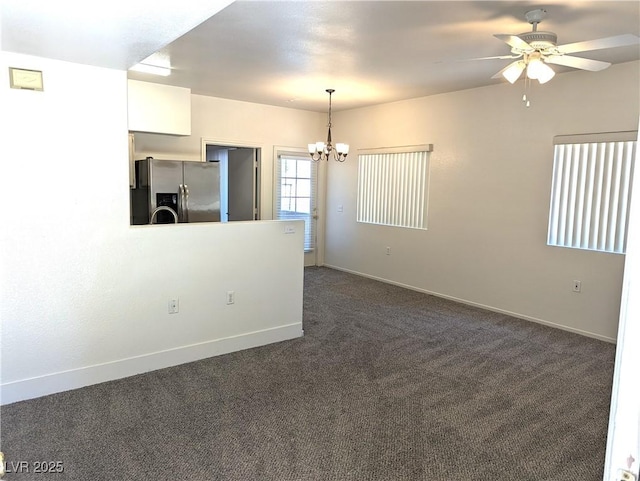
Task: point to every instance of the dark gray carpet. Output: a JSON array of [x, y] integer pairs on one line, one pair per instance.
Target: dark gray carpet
[[387, 384]]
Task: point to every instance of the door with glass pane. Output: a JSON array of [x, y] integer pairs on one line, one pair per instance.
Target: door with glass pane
[[295, 197]]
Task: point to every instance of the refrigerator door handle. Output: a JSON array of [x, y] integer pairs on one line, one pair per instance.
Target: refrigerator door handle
[[180, 203], [186, 203]]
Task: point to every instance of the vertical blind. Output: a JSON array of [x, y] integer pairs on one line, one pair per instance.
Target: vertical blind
[[392, 189], [295, 193], [590, 195]]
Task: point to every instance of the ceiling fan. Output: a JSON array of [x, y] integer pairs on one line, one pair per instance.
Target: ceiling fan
[[535, 49]]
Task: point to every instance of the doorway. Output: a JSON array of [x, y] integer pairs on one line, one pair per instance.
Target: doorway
[[239, 180], [296, 196]]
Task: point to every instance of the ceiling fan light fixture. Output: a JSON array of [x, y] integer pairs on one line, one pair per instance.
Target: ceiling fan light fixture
[[538, 70], [533, 67], [514, 71], [545, 74]]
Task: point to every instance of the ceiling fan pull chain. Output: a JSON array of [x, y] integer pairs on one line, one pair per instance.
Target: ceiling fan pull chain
[[525, 98]]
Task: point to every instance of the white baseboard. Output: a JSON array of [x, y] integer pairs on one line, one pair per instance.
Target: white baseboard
[[482, 306], [85, 376]]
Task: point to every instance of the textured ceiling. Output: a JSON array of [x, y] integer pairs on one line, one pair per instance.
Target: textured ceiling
[[287, 53], [103, 34]]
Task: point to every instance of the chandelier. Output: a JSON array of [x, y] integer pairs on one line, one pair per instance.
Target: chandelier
[[325, 150]]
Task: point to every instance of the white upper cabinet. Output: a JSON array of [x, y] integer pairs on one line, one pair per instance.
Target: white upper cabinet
[[160, 109]]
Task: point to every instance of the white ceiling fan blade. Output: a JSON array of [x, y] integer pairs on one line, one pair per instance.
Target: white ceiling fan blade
[[577, 62], [608, 42], [500, 57], [517, 67], [514, 41]]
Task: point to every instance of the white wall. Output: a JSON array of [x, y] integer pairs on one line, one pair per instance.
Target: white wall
[[83, 294], [489, 198]]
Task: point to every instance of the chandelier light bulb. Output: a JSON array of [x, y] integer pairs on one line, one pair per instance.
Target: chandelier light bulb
[[342, 148]]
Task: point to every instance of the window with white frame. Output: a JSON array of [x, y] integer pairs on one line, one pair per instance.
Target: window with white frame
[[296, 185], [591, 190], [393, 186]]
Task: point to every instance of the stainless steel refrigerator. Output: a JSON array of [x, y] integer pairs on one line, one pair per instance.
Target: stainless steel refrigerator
[[168, 191]]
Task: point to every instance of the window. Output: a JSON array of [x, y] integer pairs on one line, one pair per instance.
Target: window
[[591, 190], [392, 187], [296, 183]]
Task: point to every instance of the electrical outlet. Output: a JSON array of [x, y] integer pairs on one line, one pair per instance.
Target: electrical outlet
[[231, 297], [388, 250], [577, 286], [174, 306], [624, 475]]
